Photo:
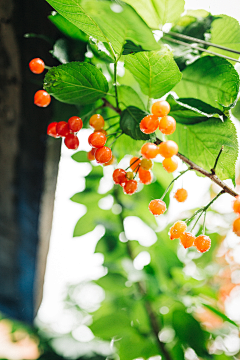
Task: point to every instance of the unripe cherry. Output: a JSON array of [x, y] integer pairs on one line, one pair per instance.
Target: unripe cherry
[[149, 124], [161, 108], [97, 139], [187, 239], [91, 154], [146, 164], [110, 162], [149, 150], [170, 164], [167, 125], [168, 148], [129, 175], [177, 229], [157, 207], [96, 122], [119, 176], [181, 195], [145, 176], [71, 141], [236, 226], [130, 187], [202, 243], [103, 155], [75, 123]]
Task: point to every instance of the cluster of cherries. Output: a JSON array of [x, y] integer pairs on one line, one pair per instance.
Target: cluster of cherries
[[236, 209], [67, 130]]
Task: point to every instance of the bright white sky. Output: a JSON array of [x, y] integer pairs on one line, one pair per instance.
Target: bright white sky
[[72, 260]]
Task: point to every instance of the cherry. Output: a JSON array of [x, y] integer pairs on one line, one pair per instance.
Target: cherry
[[181, 195], [134, 163], [168, 148], [119, 176], [62, 129], [187, 239], [51, 129], [91, 154], [75, 123], [177, 229], [236, 226], [149, 124], [167, 125], [96, 122], [102, 131], [129, 175], [146, 164], [145, 176], [103, 155], [170, 164], [157, 207], [37, 65], [42, 98], [130, 187], [97, 139], [161, 108], [202, 243], [149, 150], [110, 162], [236, 204], [71, 141]]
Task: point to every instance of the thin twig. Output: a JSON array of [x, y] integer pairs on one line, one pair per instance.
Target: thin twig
[[167, 189], [193, 46], [216, 161], [182, 36], [108, 104]]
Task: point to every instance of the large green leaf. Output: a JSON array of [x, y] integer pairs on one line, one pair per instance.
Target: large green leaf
[[225, 31], [97, 19], [158, 12], [202, 142], [76, 83], [189, 331], [156, 71], [128, 97], [67, 28], [130, 120], [236, 110], [109, 326], [210, 79], [192, 111]]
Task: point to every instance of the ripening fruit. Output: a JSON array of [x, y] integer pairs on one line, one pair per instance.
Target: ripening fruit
[[102, 131], [146, 164], [236, 205], [119, 176], [177, 229], [96, 122], [202, 243], [129, 175], [149, 124], [62, 128], [149, 150], [130, 187], [167, 125], [168, 148], [75, 123], [181, 195], [157, 207], [91, 154], [187, 239], [134, 163], [71, 141], [170, 164], [37, 65], [110, 162], [145, 176], [42, 98], [236, 226], [97, 139], [103, 155], [51, 129], [161, 108]]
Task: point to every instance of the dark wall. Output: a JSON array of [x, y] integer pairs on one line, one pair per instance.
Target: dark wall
[[22, 150]]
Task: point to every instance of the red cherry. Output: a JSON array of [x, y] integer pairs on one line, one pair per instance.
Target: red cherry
[[37, 65], [149, 124], [75, 123], [157, 207], [71, 141], [103, 155], [51, 129], [91, 154], [145, 176], [97, 139], [119, 176], [130, 187], [42, 98], [62, 129]]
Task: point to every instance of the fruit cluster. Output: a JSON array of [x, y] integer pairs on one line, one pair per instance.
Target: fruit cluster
[[67, 130]]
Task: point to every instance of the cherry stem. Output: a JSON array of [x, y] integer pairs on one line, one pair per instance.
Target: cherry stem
[[204, 223], [115, 83], [47, 67], [111, 117], [112, 126], [115, 138], [133, 163], [117, 132], [215, 165], [137, 167], [167, 189]]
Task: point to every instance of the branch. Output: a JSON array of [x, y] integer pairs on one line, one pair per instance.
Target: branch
[[192, 165]]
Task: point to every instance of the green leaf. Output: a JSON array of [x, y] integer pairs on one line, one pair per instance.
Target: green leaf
[[236, 110], [130, 120], [156, 71], [156, 13], [220, 314], [128, 97], [80, 156], [210, 79], [189, 331], [97, 19], [112, 325], [127, 146], [67, 28], [113, 283], [201, 143], [136, 346], [60, 51], [192, 111], [130, 47], [76, 83], [225, 31]]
